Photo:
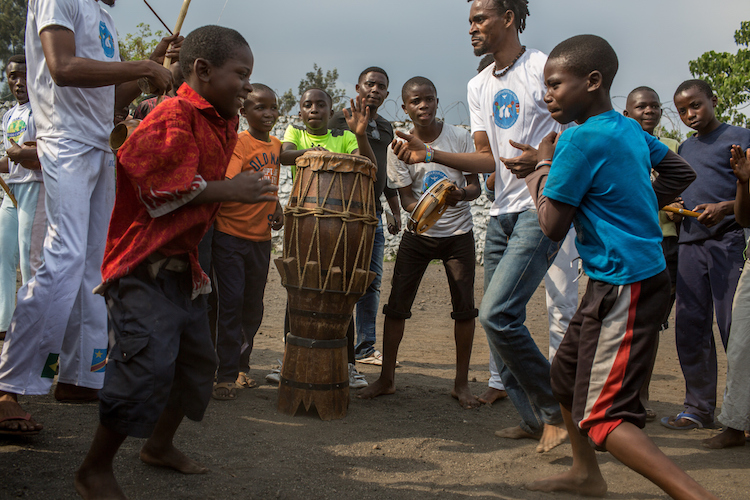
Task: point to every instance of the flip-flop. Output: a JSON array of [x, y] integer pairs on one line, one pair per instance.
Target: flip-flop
[[243, 380], [224, 391], [16, 432], [671, 422]]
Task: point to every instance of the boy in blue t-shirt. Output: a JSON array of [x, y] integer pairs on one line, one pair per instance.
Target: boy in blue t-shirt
[[599, 178]]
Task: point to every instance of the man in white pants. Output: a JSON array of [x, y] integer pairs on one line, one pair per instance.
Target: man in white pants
[[76, 81]]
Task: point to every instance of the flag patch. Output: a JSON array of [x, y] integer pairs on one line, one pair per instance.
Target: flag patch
[[99, 361], [51, 366]]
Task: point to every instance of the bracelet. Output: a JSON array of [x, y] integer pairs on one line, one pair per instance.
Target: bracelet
[[543, 163], [429, 155], [463, 194]]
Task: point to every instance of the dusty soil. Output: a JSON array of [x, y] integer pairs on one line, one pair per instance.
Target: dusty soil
[[417, 443]]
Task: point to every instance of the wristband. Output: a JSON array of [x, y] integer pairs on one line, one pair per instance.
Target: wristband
[[429, 155], [542, 163], [463, 194]]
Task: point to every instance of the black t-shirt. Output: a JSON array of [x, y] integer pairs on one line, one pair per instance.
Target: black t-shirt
[[380, 136]]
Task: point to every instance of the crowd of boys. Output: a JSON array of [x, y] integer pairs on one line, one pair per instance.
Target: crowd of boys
[[543, 127]]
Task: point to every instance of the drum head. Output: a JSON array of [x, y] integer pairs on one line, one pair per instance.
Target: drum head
[[430, 207], [337, 162]]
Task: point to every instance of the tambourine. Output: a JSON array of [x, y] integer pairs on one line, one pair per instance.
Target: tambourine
[[430, 207]]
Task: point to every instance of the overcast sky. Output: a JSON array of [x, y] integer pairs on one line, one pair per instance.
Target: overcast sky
[[654, 39]]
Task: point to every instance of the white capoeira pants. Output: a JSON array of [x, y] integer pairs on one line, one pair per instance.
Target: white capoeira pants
[[562, 299], [22, 231], [58, 321]]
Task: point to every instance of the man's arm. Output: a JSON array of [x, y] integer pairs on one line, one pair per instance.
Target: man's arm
[[24, 155], [555, 216], [246, 187], [675, 175], [741, 167], [408, 200], [411, 150], [68, 70], [393, 202], [468, 193], [4, 165], [290, 153]]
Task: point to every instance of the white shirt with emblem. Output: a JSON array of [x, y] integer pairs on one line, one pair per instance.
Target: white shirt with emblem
[[18, 124], [511, 107], [82, 114]]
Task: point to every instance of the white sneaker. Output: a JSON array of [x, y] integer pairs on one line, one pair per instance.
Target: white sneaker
[[356, 379], [275, 376]]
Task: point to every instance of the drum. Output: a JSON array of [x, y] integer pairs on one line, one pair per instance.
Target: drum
[[430, 207], [121, 132], [328, 238]]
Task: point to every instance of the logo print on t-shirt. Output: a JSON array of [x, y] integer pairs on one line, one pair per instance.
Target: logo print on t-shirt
[[16, 128], [431, 178], [506, 108], [108, 43]]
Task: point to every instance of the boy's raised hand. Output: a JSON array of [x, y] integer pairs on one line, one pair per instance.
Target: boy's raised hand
[[740, 164], [523, 165], [359, 117], [251, 187], [408, 148]]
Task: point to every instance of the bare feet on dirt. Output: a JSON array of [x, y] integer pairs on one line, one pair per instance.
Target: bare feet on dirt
[[515, 433], [171, 458], [97, 485], [491, 395], [570, 481], [551, 437], [726, 439], [14, 420], [378, 388], [70, 393], [465, 398]]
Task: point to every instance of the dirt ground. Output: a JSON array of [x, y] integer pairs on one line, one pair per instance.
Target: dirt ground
[[417, 443]]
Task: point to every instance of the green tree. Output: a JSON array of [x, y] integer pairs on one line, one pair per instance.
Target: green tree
[[139, 45], [12, 29], [315, 78], [662, 131], [729, 76]]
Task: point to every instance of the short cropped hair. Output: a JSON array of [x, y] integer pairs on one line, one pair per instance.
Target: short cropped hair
[[416, 81], [643, 88], [328, 96], [520, 10], [18, 59], [701, 85], [374, 69], [583, 54], [213, 43]]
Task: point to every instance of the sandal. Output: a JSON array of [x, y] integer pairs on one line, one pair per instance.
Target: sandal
[[243, 380], [224, 391], [683, 422]]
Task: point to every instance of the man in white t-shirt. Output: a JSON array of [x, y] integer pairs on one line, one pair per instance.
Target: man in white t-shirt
[[451, 240], [508, 113], [23, 222], [75, 81]]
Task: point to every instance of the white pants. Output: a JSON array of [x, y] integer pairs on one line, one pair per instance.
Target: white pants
[[735, 411], [22, 231], [562, 299], [57, 314]]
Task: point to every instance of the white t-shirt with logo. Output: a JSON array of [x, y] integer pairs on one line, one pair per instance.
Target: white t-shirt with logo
[[18, 124], [420, 176], [82, 114], [511, 107]]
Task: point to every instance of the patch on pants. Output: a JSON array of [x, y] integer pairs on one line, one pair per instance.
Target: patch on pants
[[99, 361], [51, 366]]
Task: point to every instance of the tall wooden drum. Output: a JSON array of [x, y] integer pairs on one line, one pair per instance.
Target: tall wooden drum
[[328, 238]]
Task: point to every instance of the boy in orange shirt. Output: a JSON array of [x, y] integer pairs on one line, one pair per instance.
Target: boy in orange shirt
[[242, 245]]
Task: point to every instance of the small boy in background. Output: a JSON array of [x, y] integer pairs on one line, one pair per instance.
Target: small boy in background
[[316, 109], [170, 182], [242, 245], [644, 106], [451, 240], [597, 175], [710, 251]]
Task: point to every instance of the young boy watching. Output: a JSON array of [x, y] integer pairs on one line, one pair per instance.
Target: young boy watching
[[242, 245], [23, 223], [170, 182], [644, 106], [316, 109], [710, 251], [451, 240], [598, 176]]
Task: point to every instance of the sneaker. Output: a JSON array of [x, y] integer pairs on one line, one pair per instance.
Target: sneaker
[[275, 376], [356, 379], [372, 358]]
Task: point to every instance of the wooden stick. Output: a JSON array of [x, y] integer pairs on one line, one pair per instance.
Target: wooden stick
[[157, 17], [8, 192], [178, 27], [681, 211]]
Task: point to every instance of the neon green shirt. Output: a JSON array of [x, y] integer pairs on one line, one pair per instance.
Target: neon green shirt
[[335, 141]]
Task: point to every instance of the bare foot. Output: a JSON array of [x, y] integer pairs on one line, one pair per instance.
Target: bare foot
[[101, 485], [593, 486], [491, 395], [378, 388], [725, 439], [515, 433], [465, 398], [551, 437], [172, 458], [14, 420]]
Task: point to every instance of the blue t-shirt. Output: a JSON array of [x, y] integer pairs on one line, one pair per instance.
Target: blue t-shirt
[[603, 168], [715, 182]]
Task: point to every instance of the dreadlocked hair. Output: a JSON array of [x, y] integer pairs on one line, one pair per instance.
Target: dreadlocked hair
[[520, 10]]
